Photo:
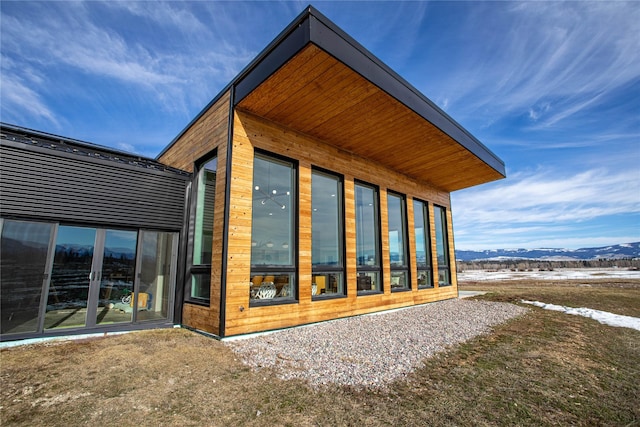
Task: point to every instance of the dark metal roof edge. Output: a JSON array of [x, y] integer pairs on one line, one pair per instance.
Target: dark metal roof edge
[[46, 135], [401, 89], [337, 43], [52, 138]]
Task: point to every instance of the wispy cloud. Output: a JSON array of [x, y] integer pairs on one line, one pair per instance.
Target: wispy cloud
[[16, 96], [548, 61], [550, 197], [540, 203], [75, 38]]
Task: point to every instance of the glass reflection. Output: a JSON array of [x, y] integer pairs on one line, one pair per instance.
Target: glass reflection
[[442, 248], [205, 203], [69, 285], [327, 235], [423, 253], [367, 239], [366, 226], [156, 277], [23, 259], [325, 218], [118, 271], [397, 253], [272, 215], [265, 286], [325, 284]]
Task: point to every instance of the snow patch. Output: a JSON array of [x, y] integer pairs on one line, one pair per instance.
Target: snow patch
[[603, 317]]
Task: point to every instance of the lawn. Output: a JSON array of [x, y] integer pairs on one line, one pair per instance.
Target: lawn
[[545, 368]]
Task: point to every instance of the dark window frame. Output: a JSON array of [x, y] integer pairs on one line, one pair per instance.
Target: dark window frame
[[265, 269], [406, 268], [426, 231], [200, 270], [378, 243], [332, 269], [446, 267]]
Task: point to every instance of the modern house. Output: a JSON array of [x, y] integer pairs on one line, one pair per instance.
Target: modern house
[[315, 186]]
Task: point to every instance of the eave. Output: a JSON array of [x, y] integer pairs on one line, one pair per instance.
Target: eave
[[316, 79]]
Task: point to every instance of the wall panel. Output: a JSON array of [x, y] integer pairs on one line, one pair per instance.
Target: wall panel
[[209, 133], [42, 183], [251, 132]]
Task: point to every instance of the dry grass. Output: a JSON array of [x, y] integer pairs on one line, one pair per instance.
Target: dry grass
[[545, 368]]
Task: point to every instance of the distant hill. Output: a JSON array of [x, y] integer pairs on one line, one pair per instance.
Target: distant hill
[[621, 251]]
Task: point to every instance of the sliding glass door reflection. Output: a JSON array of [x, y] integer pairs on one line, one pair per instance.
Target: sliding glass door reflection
[[71, 276], [68, 277], [156, 274], [23, 268], [116, 296]]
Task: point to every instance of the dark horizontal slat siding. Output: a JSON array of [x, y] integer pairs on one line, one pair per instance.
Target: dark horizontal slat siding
[[52, 187]]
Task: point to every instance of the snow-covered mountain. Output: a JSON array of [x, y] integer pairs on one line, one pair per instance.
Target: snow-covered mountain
[[621, 251]]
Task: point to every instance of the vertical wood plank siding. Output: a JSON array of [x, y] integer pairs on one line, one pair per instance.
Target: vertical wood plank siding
[[41, 183], [209, 133], [251, 132]]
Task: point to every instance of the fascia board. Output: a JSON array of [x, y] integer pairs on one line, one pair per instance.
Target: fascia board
[[344, 48]]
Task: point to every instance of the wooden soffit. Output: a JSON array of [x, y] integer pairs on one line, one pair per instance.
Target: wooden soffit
[[316, 80]]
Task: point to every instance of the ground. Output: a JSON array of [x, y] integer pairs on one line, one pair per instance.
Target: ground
[[545, 368]]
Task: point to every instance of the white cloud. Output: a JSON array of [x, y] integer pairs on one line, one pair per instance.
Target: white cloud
[[179, 77], [16, 96], [543, 207], [125, 146], [550, 61], [549, 196]]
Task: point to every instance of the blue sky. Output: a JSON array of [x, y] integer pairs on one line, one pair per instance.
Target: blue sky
[[553, 88]]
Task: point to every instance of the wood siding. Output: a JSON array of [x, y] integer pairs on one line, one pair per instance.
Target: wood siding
[[317, 95], [251, 132], [207, 134]]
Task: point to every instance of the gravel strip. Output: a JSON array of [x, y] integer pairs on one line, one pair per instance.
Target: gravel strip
[[373, 350]]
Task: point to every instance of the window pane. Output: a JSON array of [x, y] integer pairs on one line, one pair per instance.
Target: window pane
[[156, 280], [118, 271], [442, 247], [272, 242], [424, 279], [201, 285], [367, 226], [70, 277], [327, 284], [423, 248], [421, 229], [326, 196], [397, 253], [443, 277], [399, 279], [272, 286], [205, 201], [369, 281], [23, 258], [441, 235]]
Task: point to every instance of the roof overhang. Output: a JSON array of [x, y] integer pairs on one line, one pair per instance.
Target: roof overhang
[[316, 79]]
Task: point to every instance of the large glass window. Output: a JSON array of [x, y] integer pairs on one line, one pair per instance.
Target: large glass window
[[117, 275], [61, 276], [423, 244], [203, 231], [24, 248], [327, 235], [367, 239], [74, 273], [273, 243], [397, 209], [156, 273], [442, 246]]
